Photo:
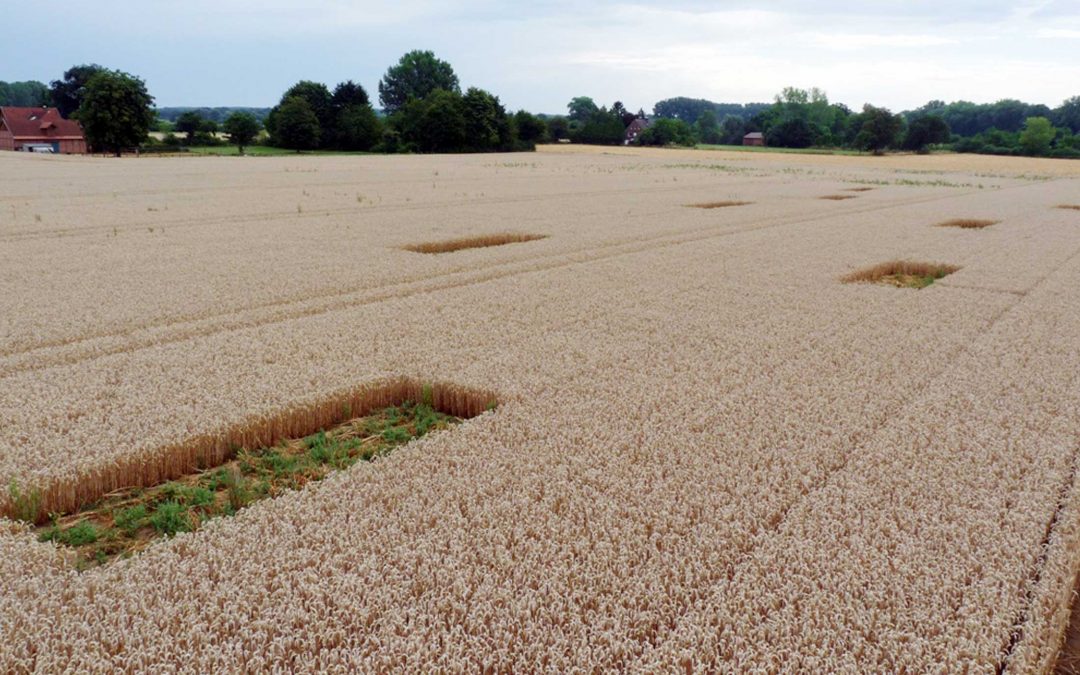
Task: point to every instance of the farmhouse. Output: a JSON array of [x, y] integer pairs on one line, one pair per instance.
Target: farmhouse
[[27, 129], [634, 130], [754, 138]]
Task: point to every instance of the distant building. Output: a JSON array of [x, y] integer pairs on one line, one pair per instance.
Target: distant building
[[754, 138], [634, 130], [40, 130]]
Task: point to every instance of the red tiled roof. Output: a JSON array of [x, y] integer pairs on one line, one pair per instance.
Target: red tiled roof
[[34, 123]]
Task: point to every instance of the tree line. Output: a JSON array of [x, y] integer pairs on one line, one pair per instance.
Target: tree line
[[423, 109], [804, 118]]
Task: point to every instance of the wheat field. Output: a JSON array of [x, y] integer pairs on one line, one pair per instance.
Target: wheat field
[[709, 453]]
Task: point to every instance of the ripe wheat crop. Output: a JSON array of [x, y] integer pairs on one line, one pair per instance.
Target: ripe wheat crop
[[709, 453]]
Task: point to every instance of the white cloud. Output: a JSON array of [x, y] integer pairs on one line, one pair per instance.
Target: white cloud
[[854, 41], [1060, 33]]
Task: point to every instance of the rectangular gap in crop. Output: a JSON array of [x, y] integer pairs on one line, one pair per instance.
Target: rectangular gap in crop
[[901, 273], [299, 446], [480, 241], [718, 205], [968, 223]]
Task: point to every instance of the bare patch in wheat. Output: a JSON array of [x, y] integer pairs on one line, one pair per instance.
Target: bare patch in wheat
[[481, 241], [215, 447], [900, 273], [968, 223], [718, 205]]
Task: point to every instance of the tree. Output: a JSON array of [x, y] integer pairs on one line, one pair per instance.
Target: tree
[[318, 98], [67, 93], [242, 129], [667, 132], [792, 133], [625, 115], [879, 130], [116, 111], [24, 94], [732, 130], [1068, 114], [707, 128], [486, 127], [189, 123], [690, 109], [415, 76], [358, 128], [530, 128], [353, 124], [349, 93], [602, 128], [433, 124], [1037, 135], [558, 128], [581, 108], [926, 131], [295, 125]]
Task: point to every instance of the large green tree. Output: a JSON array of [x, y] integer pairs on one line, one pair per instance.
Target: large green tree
[[1068, 114], [319, 100], [349, 93], [581, 108], [486, 126], [707, 128], [602, 128], [242, 128], [116, 111], [355, 125], [558, 127], [794, 132], [435, 123], [529, 127], [880, 129], [415, 76], [667, 131], [1037, 135], [296, 127], [189, 123], [925, 131], [358, 128], [67, 93], [733, 129]]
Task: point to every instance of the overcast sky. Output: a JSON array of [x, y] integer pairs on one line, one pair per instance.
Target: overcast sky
[[537, 55]]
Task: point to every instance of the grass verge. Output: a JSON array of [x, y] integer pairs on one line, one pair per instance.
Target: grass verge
[[263, 151], [786, 151]]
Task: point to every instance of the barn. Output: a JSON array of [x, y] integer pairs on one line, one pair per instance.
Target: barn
[[754, 138], [40, 129]]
